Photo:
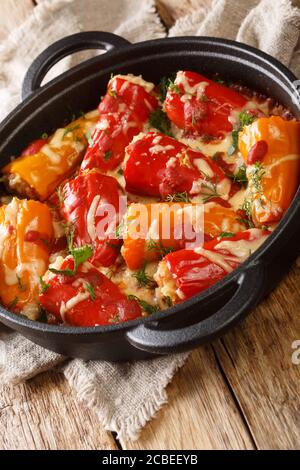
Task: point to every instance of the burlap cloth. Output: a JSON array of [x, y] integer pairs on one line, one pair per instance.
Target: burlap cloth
[[126, 396]]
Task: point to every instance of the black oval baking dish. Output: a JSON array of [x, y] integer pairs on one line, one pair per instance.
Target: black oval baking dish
[[205, 316]]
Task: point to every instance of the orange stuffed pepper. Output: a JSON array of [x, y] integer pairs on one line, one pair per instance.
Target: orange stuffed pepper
[[26, 239], [271, 150], [45, 163], [169, 227]]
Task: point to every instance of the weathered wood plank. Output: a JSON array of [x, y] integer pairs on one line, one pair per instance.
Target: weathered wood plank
[[13, 13], [45, 414], [200, 414], [257, 361]]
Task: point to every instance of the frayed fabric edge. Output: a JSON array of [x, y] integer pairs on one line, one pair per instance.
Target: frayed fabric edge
[[131, 426]]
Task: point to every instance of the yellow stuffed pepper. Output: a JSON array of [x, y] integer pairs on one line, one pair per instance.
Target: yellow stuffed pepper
[[271, 150], [46, 162], [26, 236]]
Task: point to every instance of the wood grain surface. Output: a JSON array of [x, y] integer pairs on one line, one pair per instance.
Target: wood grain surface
[[242, 392]]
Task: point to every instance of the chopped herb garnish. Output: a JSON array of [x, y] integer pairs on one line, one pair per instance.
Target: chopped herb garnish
[[225, 235], [168, 301], [247, 222], [178, 197], [174, 88], [204, 98], [13, 303], [120, 171], [80, 255], [148, 308], [112, 92], [22, 287], [143, 279], [265, 227], [88, 137], [219, 81], [160, 121], [44, 285], [211, 187], [70, 129], [159, 247], [90, 290], [245, 118], [206, 138], [235, 141], [43, 316], [119, 230], [247, 207], [194, 120], [240, 177], [107, 155], [45, 136], [256, 175], [164, 85], [61, 194]]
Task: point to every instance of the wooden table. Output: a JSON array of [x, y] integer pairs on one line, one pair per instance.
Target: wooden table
[[241, 392]]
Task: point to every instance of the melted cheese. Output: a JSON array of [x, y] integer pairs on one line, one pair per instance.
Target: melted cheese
[[137, 80], [216, 258], [198, 89], [160, 148], [65, 307], [238, 199], [241, 249]]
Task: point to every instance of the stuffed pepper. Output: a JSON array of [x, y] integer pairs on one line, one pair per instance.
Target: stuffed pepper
[[124, 112], [46, 162], [151, 231], [271, 150], [85, 297], [158, 165], [184, 273], [26, 239], [90, 203], [201, 106]]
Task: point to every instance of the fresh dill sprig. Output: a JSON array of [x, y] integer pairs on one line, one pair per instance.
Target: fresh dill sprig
[[143, 279], [148, 308], [178, 197], [158, 246], [160, 121]]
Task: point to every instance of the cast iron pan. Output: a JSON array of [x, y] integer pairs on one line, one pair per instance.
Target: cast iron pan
[[205, 316]]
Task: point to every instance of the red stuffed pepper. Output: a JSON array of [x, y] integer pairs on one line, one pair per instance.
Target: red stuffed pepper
[[88, 298], [124, 111], [91, 205], [201, 106], [185, 273], [158, 165]]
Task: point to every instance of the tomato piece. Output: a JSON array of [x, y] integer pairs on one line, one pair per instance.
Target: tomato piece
[[124, 111], [201, 106], [87, 299], [34, 147], [158, 165], [91, 207], [257, 152]]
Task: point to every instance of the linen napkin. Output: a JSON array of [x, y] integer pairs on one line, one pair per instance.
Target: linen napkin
[[271, 25]]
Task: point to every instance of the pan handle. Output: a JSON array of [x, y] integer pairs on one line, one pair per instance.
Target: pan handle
[[64, 47], [249, 292]]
